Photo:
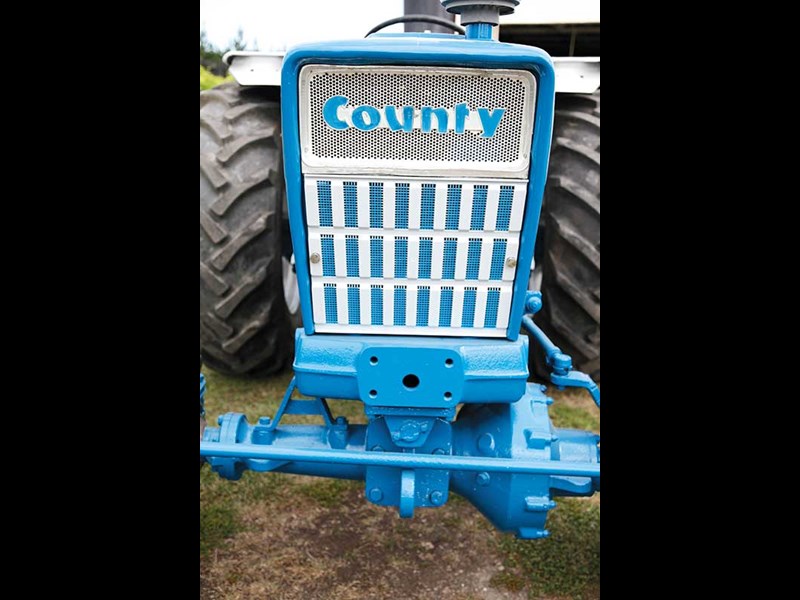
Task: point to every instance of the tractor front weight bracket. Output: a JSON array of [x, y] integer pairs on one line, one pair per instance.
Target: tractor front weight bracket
[[506, 458]]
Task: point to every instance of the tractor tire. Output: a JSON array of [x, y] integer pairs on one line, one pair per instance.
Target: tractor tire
[[570, 314], [249, 305]]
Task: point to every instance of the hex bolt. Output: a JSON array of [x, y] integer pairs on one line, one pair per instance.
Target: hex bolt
[[437, 498], [376, 494], [377, 449], [483, 478], [511, 262], [439, 451], [315, 257], [341, 421], [264, 420]]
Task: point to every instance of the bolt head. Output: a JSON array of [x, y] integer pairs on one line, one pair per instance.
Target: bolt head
[[219, 420], [439, 451], [511, 262], [264, 420], [315, 258], [437, 498], [486, 443], [377, 449], [483, 479], [376, 494]]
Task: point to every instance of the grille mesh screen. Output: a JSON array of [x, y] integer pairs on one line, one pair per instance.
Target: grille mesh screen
[[378, 87]]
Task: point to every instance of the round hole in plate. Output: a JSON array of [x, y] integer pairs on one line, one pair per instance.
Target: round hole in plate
[[373, 360], [373, 393], [411, 381], [448, 362], [448, 396]]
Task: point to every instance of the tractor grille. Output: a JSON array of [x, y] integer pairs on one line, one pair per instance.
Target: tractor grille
[[413, 232], [412, 257]]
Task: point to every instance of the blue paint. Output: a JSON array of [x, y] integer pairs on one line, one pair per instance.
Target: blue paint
[[423, 300], [462, 112], [351, 255], [407, 124], [425, 251], [401, 206], [325, 205], [335, 366], [492, 304], [425, 50], [331, 314], [330, 109], [468, 309], [350, 204], [202, 395], [473, 257], [504, 207], [375, 205], [507, 460], [328, 260], [353, 304], [453, 206], [366, 118], [446, 306], [441, 119], [449, 258], [428, 205], [498, 260], [478, 207], [502, 452], [490, 119], [400, 257], [376, 300], [399, 305], [478, 31], [375, 256]]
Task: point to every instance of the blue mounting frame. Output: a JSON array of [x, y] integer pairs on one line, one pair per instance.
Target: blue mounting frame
[[408, 50]]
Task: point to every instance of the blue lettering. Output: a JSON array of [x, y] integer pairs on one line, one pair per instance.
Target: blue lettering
[[441, 119], [490, 120], [329, 112], [367, 118], [462, 112], [393, 121], [374, 117]]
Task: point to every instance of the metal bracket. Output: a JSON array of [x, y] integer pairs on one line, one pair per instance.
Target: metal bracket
[[577, 379], [563, 375], [298, 406], [337, 431]]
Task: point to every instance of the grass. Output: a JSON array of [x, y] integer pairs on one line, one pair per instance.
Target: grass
[[208, 80], [290, 536]]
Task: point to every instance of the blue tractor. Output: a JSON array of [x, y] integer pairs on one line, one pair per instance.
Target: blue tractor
[[415, 166]]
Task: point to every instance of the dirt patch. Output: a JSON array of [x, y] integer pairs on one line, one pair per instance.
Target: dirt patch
[[356, 550]]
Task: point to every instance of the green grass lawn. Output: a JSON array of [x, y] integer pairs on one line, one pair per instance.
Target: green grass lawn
[[290, 536]]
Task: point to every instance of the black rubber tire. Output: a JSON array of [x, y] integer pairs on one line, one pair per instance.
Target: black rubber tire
[[245, 325], [571, 235]]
